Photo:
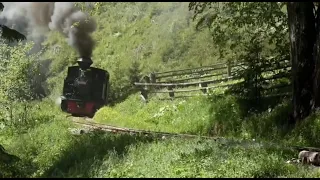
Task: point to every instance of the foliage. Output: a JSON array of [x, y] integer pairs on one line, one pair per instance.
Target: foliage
[[134, 72], [234, 25], [261, 78], [21, 83], [19, 70], [253, 33]]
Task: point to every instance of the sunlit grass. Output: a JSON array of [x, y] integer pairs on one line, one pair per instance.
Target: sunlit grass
[[50, 150]]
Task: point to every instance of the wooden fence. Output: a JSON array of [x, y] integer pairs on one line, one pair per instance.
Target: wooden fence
[[204, 78]]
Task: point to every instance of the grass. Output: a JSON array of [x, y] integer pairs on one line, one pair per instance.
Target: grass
[[109, 155], [176, 158], [157, 115], [49, 150], [212, 115]]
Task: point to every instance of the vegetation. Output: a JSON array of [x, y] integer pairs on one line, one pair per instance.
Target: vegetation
[[271, 19], [134, 39]]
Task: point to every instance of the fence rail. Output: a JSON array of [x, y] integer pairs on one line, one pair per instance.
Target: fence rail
[[187, 84], [221, 74], [191, 69]]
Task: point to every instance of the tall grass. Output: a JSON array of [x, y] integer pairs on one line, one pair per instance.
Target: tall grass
[[214, 115], [169, 116], [48, 149]]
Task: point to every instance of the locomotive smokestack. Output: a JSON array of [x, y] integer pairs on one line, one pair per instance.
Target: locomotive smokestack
[[84, 62]]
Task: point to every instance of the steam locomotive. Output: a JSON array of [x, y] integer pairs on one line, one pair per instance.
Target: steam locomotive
[[85, 89]]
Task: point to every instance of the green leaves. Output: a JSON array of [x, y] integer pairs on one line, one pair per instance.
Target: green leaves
[[17, 72], [235, 24]]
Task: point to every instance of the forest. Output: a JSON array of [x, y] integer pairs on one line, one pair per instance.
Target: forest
[[133, 39]]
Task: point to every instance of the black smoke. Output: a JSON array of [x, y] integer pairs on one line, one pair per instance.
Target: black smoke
[[36, 19]]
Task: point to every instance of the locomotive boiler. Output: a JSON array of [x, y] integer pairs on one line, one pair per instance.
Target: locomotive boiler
[[85, 89]]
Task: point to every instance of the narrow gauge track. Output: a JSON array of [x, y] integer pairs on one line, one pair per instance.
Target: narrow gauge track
[[88, 122]]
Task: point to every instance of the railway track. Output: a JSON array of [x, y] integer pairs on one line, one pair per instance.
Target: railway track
[[89, 124]]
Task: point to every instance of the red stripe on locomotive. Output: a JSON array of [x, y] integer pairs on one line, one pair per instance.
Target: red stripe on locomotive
[[75, 107]]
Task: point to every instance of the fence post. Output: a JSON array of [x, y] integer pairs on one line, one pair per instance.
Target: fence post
[[153, 78], [171, 94], [146, 79], [144, 89], [204, 85], [229, 68], [144, 95]]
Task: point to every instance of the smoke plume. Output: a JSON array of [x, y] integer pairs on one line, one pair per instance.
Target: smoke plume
[[36, 19]]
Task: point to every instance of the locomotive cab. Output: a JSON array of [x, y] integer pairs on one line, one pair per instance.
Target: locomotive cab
[[85, 89]]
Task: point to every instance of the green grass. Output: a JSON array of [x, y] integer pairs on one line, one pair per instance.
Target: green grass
[[176, 158], [213, 115], [157, 115], [48, 149]]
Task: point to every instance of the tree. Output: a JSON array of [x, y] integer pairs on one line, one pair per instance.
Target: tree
[[303, 19], [235, 25], [302, 29], [10, 35]]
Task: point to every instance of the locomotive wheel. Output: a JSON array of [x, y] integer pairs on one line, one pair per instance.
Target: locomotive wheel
[[90, 116], [77, 115]]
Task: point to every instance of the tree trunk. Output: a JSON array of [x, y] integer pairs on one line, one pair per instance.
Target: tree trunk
[[302, 37], [316, 57]]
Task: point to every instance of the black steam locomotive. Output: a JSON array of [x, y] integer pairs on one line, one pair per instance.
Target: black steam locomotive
[[85, 89]]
